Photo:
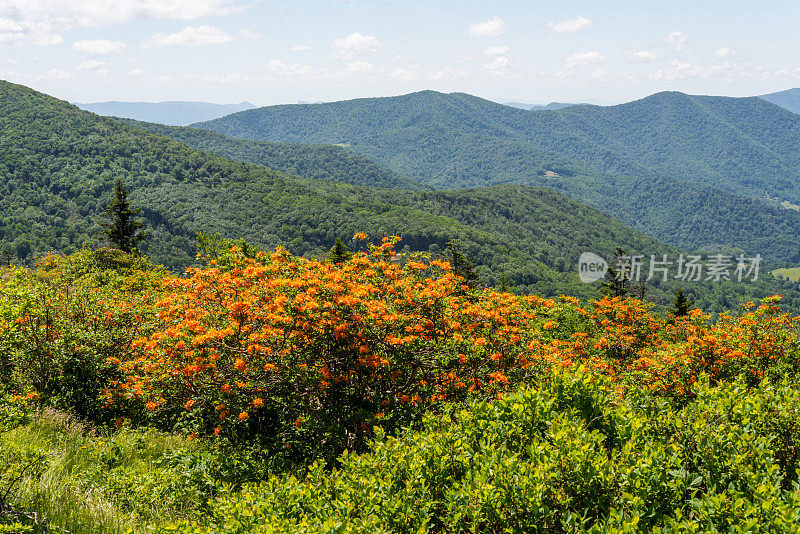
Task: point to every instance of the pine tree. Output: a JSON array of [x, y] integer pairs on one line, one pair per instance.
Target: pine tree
[[462, 267], [121, 226], [504, 287], [339, 253], [615, 285], [6, 256], [681, 304]]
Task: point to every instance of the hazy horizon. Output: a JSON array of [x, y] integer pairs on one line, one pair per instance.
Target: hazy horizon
[[278, 52]]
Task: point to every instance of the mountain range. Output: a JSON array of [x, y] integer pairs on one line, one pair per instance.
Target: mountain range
[[59, 164], [693, 171], [174, 113]]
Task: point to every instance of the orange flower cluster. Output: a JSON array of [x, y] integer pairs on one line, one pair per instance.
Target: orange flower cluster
[[316, 338], [328, 350]]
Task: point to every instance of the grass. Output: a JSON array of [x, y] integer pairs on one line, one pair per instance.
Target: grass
[[792, 273], [77, 490]]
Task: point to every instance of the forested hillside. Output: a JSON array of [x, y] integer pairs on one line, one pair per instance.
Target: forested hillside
[[638, 161], [324, 162], [60, 164]]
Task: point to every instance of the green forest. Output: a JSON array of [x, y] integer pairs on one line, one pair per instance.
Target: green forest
[[61, 164], [694, 172]]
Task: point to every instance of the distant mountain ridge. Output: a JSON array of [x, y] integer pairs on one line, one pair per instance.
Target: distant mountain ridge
[[540, 107], [789, 99], [694, 171], [173, 113], [59, 164]]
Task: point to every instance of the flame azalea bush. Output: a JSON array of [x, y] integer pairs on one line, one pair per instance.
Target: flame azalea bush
[[309, 352], [309, 356], [625, 339], [66, 326]]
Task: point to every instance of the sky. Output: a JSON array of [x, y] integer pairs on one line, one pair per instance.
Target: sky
[[287, 51]]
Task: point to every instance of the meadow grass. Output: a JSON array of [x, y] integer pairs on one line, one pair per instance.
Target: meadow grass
[[62, 491]]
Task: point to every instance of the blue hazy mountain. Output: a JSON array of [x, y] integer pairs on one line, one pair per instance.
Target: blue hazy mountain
[[173, 113], [789, 99], [539, 107]]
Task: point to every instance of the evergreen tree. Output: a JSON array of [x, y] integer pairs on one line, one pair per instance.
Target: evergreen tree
[[121, 226], [504, 287], [681, 304], [339, 253], [462, 267], [616, 284], [6, 256]]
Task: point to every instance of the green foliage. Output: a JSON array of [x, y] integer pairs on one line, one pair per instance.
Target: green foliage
[[462, 267], [339, 253], [62, 326], [616, 284], [681, 305], [566, 456]]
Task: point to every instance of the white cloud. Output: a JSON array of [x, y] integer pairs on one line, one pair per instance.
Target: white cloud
[[99, 47], [358, 68], [491, 28], [501, 68], [27, 33], [40, 22], [496, 50], [54, 75], [189, 36], [406, 74], [678, 70], [249, 34], [300, 48], [600, 74], [133, 72], [677, 38], [585, 58], [278, 69], [355, 43], [571, 25], [90, 65], [724, 52], [501, 63], [235, 78], [449, 74], [641, 55]]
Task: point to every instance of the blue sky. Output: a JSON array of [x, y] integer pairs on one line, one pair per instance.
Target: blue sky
[[284, 51]]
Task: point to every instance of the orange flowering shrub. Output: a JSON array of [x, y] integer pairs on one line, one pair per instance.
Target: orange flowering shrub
[[65, 327], [760, 343], [624, 338], [302, 351]]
